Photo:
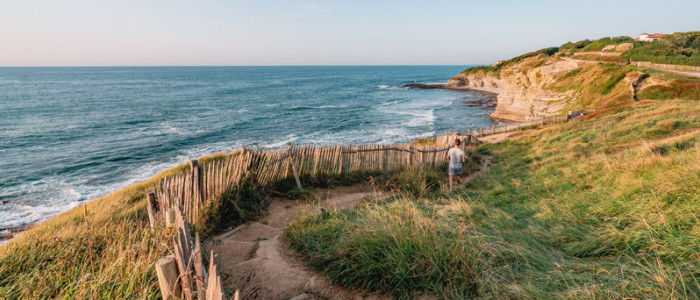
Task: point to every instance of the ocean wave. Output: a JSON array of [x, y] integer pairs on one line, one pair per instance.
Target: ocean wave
[[388, 87], [9, 81], [279, 144], [305, 107]]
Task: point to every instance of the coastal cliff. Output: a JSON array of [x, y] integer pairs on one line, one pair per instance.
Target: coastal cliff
[[523, 89], [585, 75]]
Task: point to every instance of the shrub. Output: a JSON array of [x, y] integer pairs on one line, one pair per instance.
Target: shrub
[[678, 49], [233, 207], [611, 83], [599, 44], [676, 89], [549, 51]]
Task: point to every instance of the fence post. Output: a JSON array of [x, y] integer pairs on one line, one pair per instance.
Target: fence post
[[166, 268], [170, 217], [151, 198], [294, 167], [196, 181]]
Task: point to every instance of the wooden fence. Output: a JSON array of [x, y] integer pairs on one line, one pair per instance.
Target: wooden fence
[[192, 190], [183, 273], [449, 137], [181, 198]]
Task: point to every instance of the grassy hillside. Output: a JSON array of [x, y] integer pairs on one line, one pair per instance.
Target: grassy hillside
[[595, 86], [599, 85], [680, 48], [108, 255], [605, 207]]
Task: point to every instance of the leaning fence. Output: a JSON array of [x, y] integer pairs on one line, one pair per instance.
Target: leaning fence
[[181, 198], [192, 190], [448, 137]]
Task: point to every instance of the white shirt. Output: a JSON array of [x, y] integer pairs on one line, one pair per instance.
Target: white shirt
[[455, 154]]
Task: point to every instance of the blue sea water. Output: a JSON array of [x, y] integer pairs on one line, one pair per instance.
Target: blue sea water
[[68, 135]]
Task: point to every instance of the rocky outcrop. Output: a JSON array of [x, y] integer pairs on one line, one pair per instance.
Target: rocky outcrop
[[521, 88]]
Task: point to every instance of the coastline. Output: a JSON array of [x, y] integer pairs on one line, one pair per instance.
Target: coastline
[[445, 86], [8, 233]]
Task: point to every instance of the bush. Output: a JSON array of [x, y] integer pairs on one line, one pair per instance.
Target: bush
[[676, 89], [549, 51], [574, 46], [233, 207], [676, 49], [599, 44], [396, 248], [611, 83]]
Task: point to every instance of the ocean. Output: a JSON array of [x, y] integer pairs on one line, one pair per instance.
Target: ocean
[[69, 135]]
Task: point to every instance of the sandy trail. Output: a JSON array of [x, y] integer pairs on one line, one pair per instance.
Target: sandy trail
[[499, 137], [264, 268]]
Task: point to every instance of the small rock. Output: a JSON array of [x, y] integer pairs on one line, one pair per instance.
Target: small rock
[[303, 296]]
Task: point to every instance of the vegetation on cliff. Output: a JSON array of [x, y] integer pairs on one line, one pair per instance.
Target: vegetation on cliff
[[580, 76], [677, 49]]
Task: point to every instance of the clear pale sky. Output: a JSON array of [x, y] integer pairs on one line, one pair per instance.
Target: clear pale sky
[[314, 32]]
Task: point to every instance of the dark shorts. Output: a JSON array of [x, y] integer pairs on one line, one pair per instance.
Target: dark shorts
[[455, 171]]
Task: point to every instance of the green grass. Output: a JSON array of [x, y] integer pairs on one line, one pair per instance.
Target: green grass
[[611, 83], [605, 207], [678, 49], [599, 44], [571, 73], [675, 89]]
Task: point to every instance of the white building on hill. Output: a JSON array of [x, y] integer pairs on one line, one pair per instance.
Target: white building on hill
[[645, 37]]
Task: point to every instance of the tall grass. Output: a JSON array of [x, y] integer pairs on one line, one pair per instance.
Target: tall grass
[[606, 207], [109, 256], [102, 250]]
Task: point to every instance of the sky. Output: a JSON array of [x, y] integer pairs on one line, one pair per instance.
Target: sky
[[315, 32]]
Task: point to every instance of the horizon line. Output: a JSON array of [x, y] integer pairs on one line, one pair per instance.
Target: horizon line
[[180, 66]]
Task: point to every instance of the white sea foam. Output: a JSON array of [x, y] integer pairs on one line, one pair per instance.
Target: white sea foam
[[318, 107], [333, 106], [9, 81], [290, 138]]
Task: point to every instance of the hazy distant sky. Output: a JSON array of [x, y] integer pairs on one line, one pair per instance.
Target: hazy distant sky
[[276, 32]]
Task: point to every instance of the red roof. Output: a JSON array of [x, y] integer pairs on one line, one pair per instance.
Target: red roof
[[644, 34], [656, 35], [636, 39]]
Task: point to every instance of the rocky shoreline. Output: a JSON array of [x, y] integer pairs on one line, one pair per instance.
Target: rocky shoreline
[[446, 86], [490, 101]]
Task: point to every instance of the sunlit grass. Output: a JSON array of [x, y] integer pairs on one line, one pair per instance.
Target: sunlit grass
[[601, 208]]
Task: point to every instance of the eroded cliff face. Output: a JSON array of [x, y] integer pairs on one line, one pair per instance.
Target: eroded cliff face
[[520, 88]]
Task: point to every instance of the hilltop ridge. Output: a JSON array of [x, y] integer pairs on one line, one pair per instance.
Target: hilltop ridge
[[582, 75]]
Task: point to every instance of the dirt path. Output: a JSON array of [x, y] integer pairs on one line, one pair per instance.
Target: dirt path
[[261, 265], [484, 165], [684, 73], [499, 137], [264, 268]]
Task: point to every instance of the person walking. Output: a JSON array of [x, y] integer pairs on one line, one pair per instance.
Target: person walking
[[456, 157]]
